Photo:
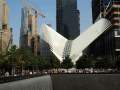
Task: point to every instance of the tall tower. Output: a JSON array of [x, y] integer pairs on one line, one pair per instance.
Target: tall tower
[[4, 14], [97, 9], [5, 30], [67, 18], [29, 37], [25, 28]]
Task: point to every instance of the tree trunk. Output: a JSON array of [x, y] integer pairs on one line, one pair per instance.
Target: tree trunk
[[13, 70], [22, 70]]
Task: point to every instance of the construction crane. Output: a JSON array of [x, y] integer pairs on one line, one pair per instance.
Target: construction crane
[[37, 12], [28, 5]]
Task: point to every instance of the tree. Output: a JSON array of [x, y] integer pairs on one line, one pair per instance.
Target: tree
[[55, 63], [44, 64], [48, 63], [67, 63], [103, 62], [7, 60], [11, 58], [2, 59], [12, 55], [83, 63], [25, 58]]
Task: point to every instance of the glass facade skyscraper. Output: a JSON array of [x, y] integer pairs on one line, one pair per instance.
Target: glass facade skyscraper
[[29, 37], [67, 18]]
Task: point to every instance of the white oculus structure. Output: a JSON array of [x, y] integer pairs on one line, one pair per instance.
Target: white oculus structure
[[58, 43]]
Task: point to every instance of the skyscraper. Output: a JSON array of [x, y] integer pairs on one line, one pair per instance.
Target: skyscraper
[[68, 18], [29, 37], [5, 30], [108, 44], [97, 9]]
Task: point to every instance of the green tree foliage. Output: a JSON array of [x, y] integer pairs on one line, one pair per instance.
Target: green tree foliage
[[46, 64], [55, 63], [43, 64], [67, 63], [93, 62], [2, 59], [103, 62], [84, 62], [24, 57], [49, 63], [11, 55]]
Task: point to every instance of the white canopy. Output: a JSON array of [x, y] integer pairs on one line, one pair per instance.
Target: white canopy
[[57, 42]]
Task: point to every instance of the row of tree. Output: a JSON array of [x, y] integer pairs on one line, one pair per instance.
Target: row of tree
[[99, 62], [24, 59]]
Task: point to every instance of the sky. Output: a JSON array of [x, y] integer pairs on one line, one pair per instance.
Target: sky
[[48, 7]]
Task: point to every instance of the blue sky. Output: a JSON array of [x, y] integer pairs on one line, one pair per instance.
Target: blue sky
[[49, 9]]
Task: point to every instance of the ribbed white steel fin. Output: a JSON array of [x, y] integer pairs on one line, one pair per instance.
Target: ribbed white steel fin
[[87, 37], [55, 40]]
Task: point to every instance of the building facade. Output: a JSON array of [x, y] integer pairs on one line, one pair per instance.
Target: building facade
[[67, 18], [108, 44], [29, 37], [5, 30]]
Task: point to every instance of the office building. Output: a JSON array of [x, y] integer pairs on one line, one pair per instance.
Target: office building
[[67, 18]]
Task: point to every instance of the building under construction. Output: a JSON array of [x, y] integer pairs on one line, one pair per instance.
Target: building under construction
[[29, 37], [5, 30]]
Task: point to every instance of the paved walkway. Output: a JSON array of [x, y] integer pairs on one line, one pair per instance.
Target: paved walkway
[[39, 83]]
